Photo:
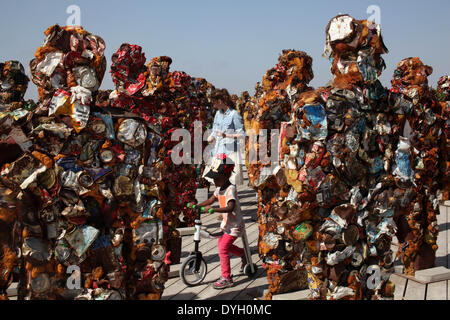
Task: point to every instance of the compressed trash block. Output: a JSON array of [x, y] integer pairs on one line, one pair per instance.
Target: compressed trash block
[[90, 183], [345, 167], [442, 96], [420, 156], [167, 101], [271, 105], [13, 144], [328, 205]]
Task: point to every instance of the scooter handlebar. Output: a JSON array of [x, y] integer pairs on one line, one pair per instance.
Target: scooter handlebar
[[202, 209]]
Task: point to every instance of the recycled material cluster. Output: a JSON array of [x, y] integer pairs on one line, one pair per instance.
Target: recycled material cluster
[[356, 165], [91, 198]]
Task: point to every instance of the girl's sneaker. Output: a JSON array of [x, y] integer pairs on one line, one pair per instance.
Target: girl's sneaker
[[223, 283]]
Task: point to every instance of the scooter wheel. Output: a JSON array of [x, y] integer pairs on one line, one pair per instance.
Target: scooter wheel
[[248, 270], [189, 275]]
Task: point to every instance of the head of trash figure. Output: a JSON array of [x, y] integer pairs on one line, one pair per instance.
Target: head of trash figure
[[159, 66], [354, 48], [411, 71]]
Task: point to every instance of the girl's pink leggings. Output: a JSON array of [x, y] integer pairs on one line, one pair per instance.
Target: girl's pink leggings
[[226, 247]]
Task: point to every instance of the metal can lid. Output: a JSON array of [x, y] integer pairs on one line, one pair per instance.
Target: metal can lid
[[158, 252], [86, 180], [350, 235], [99, 127], [62, 253], [288, 246], [106, 155], [41, 283]]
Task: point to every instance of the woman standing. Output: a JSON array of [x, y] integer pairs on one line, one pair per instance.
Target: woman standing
[[227, 133]]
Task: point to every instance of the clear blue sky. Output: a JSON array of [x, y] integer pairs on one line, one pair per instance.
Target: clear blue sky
[[230, 43]]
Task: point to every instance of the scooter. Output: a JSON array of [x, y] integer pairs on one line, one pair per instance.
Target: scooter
[[194, 269]]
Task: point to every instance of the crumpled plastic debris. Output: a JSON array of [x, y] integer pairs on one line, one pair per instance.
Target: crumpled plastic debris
[[242, 102]]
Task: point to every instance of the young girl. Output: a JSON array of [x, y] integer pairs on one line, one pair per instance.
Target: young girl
[[232, 223]]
